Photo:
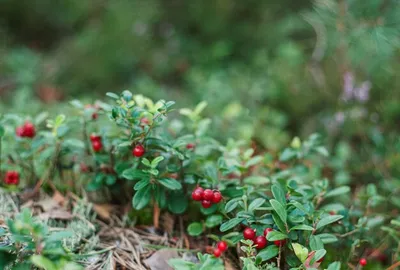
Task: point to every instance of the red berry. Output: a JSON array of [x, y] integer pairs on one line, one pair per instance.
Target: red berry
[[19, 131], [217, 252], [197, 195], [138, 151], [144, 121], [267, 230], [97, 146], [260, 241], [208, 194], [84, 167], [321, 260], [11, 178], [94, 116], [363, 262], [190, 146], [279, 242], [29, 130], [332, 213], [174, 175], [94, 137], [249, 233], [222, 245], [217, 197], [206, 203]]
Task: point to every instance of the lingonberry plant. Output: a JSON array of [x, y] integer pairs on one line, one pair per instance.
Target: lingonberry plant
[[273, 209], [27, 242]]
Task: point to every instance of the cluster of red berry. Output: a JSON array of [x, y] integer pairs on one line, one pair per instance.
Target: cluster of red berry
[[221, 247], [260, 241], [97, 145], [11, 178], [27, 130], [207, 196]]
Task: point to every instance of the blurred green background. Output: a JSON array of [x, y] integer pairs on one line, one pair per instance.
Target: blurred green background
[[271, 69]]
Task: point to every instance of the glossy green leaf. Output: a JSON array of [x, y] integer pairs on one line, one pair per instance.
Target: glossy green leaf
[[213, 221], [142, 183], [256, 204], [230, 224], [275, 235], [278, 193], [268, 253], [142, 197], [328, 220], [195, 229], [337, 191], [170, 183], [279, 209]]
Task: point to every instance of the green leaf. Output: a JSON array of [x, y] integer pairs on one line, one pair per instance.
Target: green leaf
[[322, 150], [253, 161], [256, 204], [181, 264], [231, 205], [146, 162], [275, 235], [319, 254], [315, 242], [299, 206], [256, 180], [195, 229], [112, 95], [328, 220], [334, 266], [287, 154], [111, 180], [177, 202], [77, 104], [157, 160], [2, 131], [279, 209], [300, 251], [141, 184], [132, 174], [170, 183], [337, 191], [268, 253], [327, 238], [278, 193], [278, 222], [142, 197], [302, 227], [43, 262], [230, 224], [58, 236], [59, 120], [213, 221]]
